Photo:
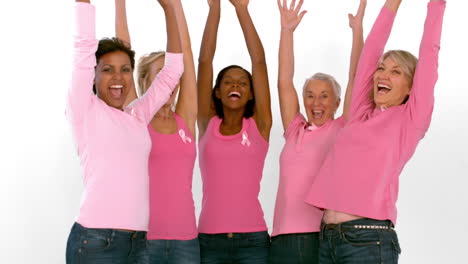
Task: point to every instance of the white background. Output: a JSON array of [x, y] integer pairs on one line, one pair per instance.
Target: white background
[[40, 175]]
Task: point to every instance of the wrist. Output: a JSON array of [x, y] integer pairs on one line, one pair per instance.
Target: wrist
[[241, 9]]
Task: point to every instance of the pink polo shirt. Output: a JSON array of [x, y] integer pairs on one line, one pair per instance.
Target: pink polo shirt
[[171, 161], [113, 145], [303, 154], [360, 174], [231, 169]]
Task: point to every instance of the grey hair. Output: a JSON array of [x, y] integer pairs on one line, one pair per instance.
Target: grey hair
[[326, 78]]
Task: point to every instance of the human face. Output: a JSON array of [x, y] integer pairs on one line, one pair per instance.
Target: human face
[[234, 90], [391, 85], [155, 68], [320, 102], [114, 78]]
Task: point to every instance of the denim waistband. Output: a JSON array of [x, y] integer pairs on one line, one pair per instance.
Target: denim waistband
[[115, 233], [235, 235], [363, 223]]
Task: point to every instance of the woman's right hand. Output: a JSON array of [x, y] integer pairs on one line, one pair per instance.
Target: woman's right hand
[[290, 17], [356, 20]]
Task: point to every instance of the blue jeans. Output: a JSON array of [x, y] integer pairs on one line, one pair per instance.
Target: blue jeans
[[296, 248], [348, 244], [238, 248], [105, 246], [174, 251]]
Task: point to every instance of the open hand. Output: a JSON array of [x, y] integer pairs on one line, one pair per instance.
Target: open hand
[[290, 17]]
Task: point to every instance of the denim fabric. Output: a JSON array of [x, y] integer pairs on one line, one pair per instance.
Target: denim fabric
[[295, 248], [162, 251], [96, 246], [241, 248], [349, 245]]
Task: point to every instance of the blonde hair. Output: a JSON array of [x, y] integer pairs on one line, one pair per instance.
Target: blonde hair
[[326, 78], [144, 69], [405, 60]]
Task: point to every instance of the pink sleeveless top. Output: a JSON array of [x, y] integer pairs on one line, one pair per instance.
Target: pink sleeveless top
[[171, 161], [231, 169]]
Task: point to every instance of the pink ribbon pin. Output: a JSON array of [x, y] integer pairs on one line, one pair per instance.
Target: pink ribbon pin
[[245, 139], [185, 139]]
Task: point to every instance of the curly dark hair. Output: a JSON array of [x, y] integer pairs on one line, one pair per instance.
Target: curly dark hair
[[108, 45], [249, 107]]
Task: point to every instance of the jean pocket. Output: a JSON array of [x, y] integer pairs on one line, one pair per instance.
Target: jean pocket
[[361, 237], [95, 242], [396, 243]]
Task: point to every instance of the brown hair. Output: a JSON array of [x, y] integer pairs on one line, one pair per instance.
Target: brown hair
[[143, 71]]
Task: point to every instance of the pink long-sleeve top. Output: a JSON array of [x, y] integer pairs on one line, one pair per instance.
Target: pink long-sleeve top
[[171, 161], [231, 169], [302, 157], [113, 145], [360, 175]]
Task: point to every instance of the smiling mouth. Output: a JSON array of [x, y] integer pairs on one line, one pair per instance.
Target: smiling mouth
[[234, 95], [317, 114], [383, 89], [116, 91]]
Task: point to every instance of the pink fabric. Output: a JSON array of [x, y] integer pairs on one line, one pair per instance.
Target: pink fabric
[[360, 175], [232, 168], [113, 145], [302, 156], [171, 161]]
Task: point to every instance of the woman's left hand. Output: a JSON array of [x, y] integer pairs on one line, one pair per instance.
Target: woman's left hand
[[239, 3]]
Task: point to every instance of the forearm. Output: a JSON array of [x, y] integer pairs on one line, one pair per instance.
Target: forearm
[[254, 44], [210, 35], [393, 5], [173, 38], [160, 89], [121, 24], [187, 103], [286, 57]]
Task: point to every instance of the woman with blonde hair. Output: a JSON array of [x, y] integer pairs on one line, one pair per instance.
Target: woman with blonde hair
[[172, 234], [358, 182]]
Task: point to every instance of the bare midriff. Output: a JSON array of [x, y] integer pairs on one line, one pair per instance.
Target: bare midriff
[[335, 217]]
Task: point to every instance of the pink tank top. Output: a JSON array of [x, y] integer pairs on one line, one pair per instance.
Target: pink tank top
[[231, 169], [171, 161]]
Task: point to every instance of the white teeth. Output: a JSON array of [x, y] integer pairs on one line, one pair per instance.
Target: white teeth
[[116, 86], [317, 112], [383, 86], [234, 93]]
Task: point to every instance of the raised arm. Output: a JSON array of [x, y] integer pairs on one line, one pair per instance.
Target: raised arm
[[122, 33], [167, 79], [261, 87], [80, 93], [187, 103], [355, 23], [290, 19], [205, 67], [421, 99], [371, 52]]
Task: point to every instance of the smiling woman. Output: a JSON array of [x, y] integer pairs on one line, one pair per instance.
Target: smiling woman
[[113, 145], [114, 78]]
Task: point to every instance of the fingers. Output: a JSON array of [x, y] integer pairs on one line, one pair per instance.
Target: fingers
[[362, 8], [301, 15], [299, 6], [293, 3]]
